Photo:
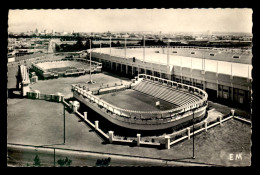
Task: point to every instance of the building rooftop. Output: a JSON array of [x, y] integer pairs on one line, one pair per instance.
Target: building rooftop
[[224, 67]]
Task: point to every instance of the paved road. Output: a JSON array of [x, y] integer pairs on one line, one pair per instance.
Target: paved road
[[23, 155]]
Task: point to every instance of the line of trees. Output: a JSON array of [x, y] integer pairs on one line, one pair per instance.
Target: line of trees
[[78, 46], [67, 162], [152, 43]]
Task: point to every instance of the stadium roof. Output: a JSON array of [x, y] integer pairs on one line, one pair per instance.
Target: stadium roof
[[235, 69]]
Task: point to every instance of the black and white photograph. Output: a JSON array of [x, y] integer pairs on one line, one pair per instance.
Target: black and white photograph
[[161, 87]]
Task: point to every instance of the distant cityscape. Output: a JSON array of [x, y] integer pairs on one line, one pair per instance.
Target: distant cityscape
[[207, 35], [37, 41]]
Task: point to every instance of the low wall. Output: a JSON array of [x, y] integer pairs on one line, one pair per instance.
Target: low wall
[[166, 141], [199, 127], [47, 97], [111, 89]]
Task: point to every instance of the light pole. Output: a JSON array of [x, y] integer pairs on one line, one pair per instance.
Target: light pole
[[64, 123], [125, 47], [193, 154], [90, 59], [144, 48], [110, 45], [90, 81], [54, 157]]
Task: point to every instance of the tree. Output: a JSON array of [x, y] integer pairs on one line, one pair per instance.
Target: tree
[[64, 162], [57, 47], [118, 44], [68, 161], [37, 161], [79, 44], [87, 44], [103, 162], [113, 44]]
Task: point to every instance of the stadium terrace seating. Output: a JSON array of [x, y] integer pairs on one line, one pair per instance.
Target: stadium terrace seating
[[166, 93]]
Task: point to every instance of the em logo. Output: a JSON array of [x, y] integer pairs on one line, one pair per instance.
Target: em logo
[[235, 156]]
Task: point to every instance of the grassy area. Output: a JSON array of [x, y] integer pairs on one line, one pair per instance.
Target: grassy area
[[226, 110], [216, 145]]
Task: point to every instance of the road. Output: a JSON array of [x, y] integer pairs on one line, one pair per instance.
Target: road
[[24, 156]]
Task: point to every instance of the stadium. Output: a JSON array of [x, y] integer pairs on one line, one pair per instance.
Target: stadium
[[171, 85], [167, 88], [142, 96], [149, 103], [54, 68], [224, 74]]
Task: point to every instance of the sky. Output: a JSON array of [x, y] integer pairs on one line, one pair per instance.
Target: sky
[[114, 20]]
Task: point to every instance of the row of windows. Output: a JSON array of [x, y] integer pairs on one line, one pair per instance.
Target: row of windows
[[211, 54]]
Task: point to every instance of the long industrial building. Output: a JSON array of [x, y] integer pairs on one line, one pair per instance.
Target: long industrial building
[[225, 74]]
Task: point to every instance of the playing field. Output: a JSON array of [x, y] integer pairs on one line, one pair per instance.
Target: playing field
[[60, 69], [61, 66], [134, 100]]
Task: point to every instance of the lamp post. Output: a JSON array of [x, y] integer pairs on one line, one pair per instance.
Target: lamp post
[[125, 47], [90, 81], [144, 48], [193, 154], [64, 123], [110, 45], [54, 157]]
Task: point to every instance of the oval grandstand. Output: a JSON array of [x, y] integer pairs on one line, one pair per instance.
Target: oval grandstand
[[188, 99]]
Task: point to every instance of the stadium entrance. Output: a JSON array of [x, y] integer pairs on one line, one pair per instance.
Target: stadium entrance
[[212, 94]]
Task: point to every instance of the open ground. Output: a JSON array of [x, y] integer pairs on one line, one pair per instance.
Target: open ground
[[30, 124]]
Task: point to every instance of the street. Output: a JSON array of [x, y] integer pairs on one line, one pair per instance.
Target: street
[[24, 156]]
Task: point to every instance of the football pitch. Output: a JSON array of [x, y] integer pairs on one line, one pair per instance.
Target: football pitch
[[60, 69], [134, 100]]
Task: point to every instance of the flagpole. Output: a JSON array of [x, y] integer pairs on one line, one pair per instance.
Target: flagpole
[[168, 54], [110, 44], [90, 60], [125, 47], [144, 50]]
